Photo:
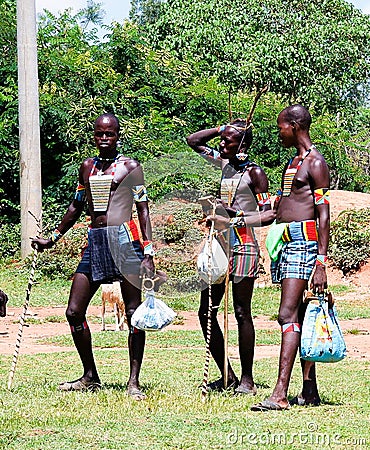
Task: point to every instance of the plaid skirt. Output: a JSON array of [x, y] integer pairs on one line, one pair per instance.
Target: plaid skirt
[[111, 254], [297, 260]]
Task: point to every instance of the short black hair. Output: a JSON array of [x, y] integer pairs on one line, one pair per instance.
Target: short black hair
[[298, 113], [110, 116]]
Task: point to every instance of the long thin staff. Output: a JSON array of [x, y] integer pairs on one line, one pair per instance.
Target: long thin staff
[[226, 303], [25, 307], [209, 312]]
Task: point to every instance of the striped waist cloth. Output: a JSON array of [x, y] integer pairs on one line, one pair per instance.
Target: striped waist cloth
[[130, 229], [243, 235], [300, 231], [127, 231]]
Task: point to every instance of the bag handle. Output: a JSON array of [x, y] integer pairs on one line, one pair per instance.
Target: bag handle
[[326, 296]]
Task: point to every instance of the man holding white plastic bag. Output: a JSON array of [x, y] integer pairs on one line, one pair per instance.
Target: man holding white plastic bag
[[110, 184], [244, 190]]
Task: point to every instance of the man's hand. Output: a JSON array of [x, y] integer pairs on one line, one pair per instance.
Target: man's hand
[[147, 267], [221, 223], [319, 280], [223, 209], [41, 244], [3, 302]]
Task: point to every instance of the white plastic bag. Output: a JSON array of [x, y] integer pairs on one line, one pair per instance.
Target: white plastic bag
[[152, 314], [219, 262]]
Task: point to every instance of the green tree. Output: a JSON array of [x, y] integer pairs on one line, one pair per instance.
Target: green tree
[[144, 12], [77, 83], [9, 152], [314, 52]]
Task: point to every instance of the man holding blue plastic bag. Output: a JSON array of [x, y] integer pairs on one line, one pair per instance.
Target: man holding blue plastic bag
[[110, 185], [297, 244]]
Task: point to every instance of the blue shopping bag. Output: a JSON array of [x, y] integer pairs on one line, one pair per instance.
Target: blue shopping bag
[[321, 339]]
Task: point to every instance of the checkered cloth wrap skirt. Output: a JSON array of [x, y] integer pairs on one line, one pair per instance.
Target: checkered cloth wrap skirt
[[112, 252], [298, 256]]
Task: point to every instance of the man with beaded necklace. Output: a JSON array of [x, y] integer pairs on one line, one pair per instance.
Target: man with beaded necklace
[[110, 184], [243, 190], [303, 218]]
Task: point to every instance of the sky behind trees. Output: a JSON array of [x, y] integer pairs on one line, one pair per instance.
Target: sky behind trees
[[119, 9], [114, 9]]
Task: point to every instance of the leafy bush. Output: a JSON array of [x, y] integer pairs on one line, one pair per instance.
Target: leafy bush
[[349, 240], [177, 239], [61, 260], [10, 236]]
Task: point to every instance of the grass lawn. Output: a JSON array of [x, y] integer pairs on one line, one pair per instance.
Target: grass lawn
[[35, 415]]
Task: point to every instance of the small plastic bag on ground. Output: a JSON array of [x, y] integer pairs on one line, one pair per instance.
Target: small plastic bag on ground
[[153, 314], [322, 339]]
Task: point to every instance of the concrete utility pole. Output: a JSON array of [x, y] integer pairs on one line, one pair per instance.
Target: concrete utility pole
[[29, 123]]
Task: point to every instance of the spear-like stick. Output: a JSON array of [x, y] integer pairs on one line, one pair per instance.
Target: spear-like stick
[[226, 303], [25, 307], [209, 312]]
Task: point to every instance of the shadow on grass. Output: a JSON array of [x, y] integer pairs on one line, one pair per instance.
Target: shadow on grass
[[263, 386], [122, 387]]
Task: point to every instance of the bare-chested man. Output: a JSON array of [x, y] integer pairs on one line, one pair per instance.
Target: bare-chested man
[[110, 183], [243, 186], [303, 205]]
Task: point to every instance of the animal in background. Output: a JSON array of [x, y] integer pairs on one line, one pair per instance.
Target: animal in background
[[111, 295], [3, 302]]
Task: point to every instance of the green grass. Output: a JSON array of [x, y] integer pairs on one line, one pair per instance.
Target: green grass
[[353, 308], [165, 339], [34, 415]]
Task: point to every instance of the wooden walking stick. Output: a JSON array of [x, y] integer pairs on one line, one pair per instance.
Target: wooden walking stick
[[209, 312], [226, 301], [25, 307]]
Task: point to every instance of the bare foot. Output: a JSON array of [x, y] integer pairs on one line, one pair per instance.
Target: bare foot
[[81, 384], [135, 393]]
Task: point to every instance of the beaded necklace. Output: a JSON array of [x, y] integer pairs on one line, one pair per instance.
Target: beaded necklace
[[229, 185], [100, 185], [291, 172]]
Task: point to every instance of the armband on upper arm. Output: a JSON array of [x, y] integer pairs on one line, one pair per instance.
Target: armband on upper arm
[[139, 193], [263, 198], [80, 193], [322, 196]]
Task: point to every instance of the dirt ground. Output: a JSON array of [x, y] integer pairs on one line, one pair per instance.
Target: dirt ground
[[358, 341]]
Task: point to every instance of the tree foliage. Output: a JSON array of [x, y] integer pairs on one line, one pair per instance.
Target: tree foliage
[[312, 52], [177, 67], [9, 153]]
